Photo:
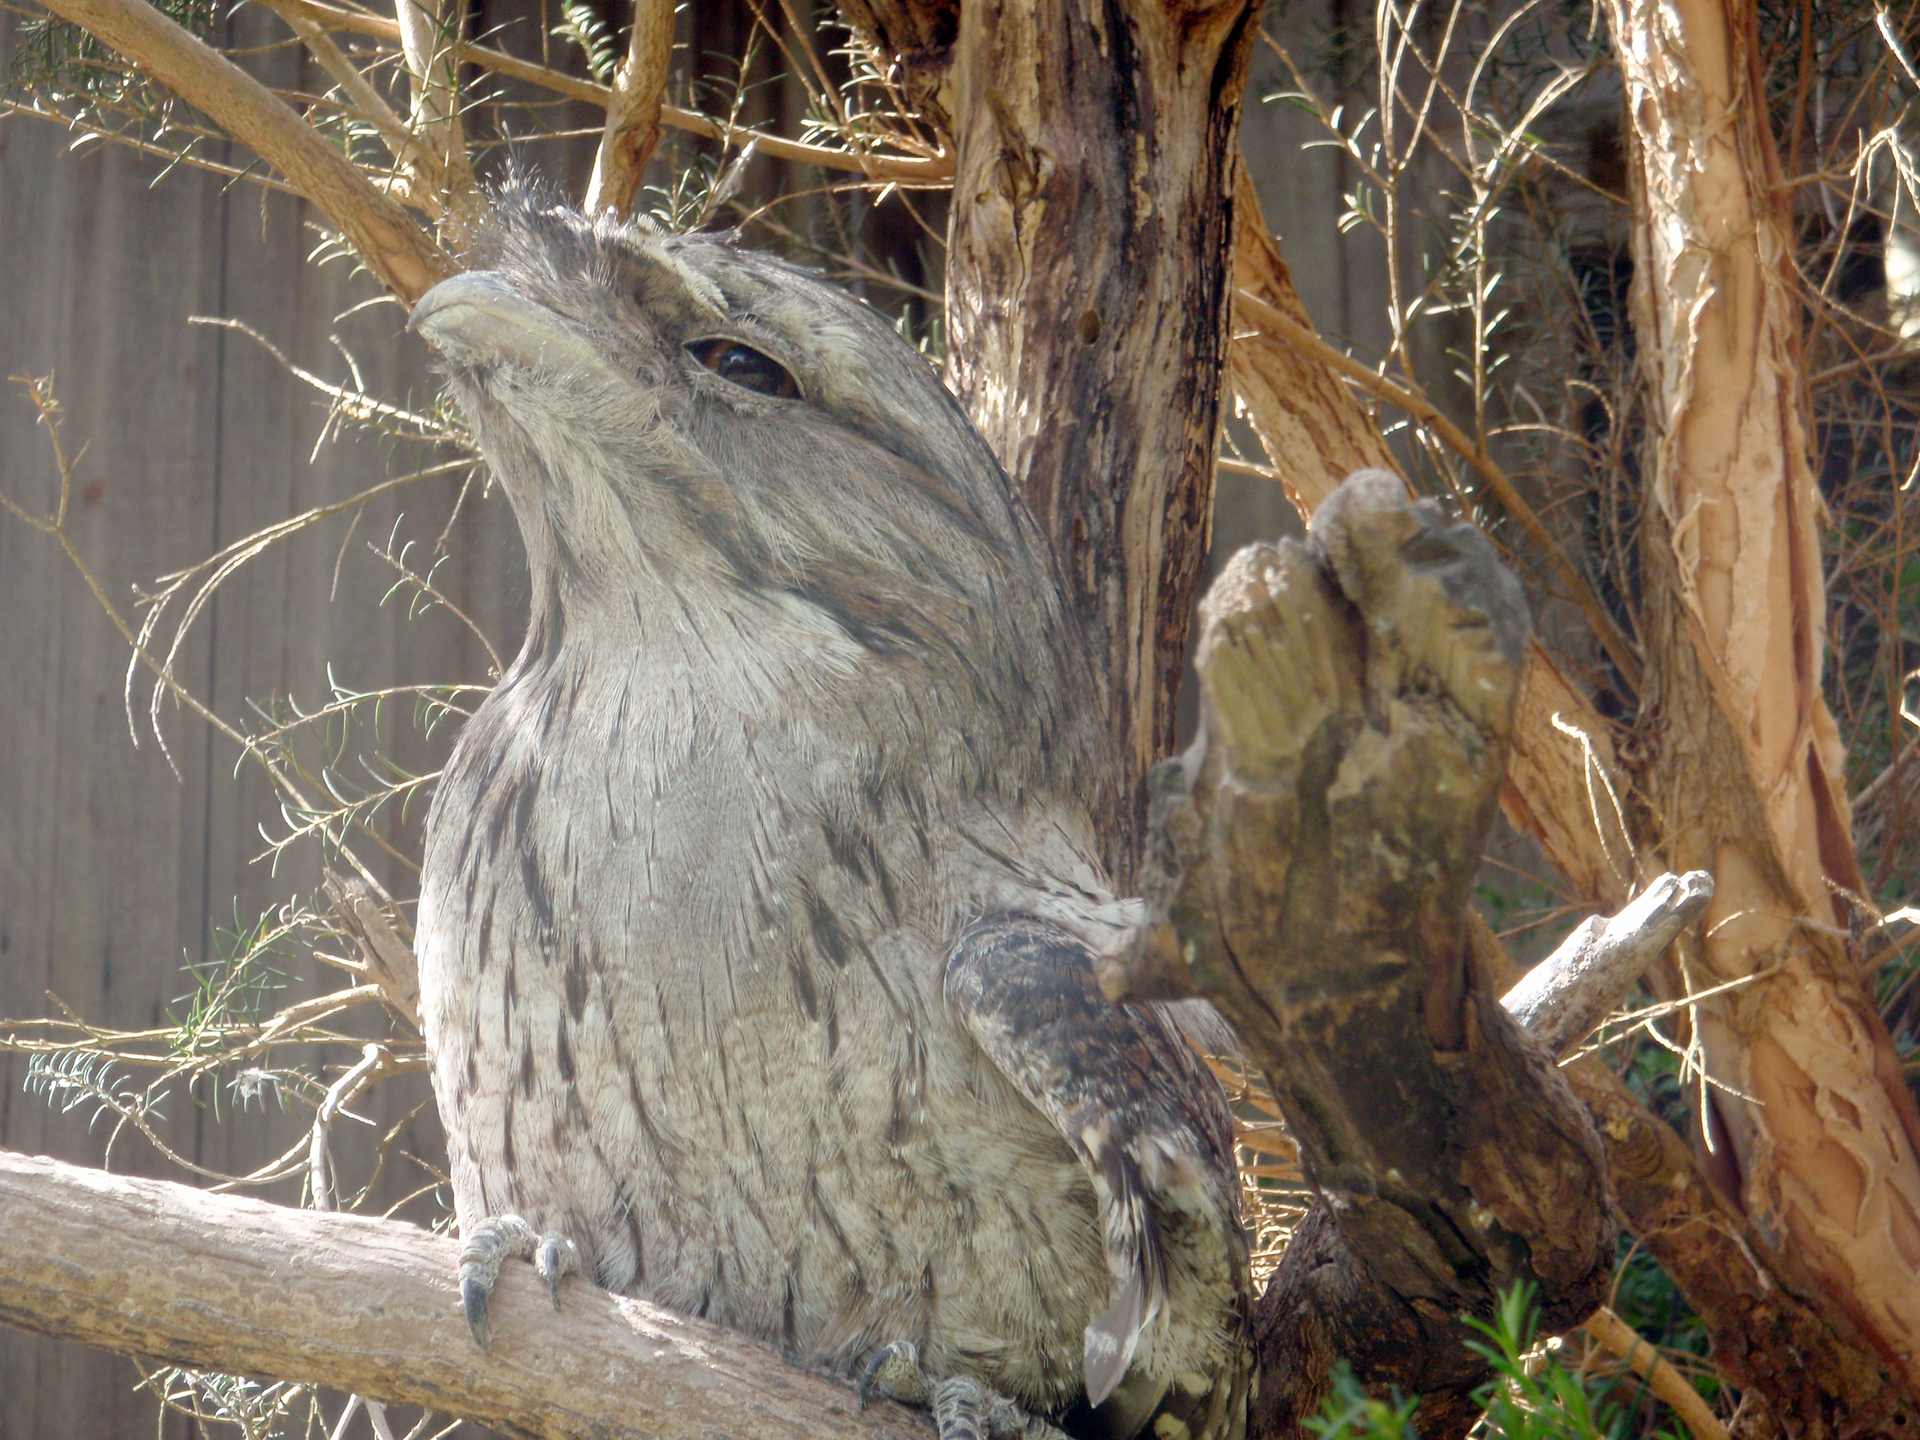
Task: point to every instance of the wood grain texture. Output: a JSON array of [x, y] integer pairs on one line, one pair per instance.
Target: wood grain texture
[[151, 1268]]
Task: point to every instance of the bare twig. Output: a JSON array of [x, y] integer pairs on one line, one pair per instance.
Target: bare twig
[[374, 1062], [934, 169], [1614, 1335], [401, 142], [1606, 630], [1579, 985]]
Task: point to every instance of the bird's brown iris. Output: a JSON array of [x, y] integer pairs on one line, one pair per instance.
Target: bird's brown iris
[[745, 366]]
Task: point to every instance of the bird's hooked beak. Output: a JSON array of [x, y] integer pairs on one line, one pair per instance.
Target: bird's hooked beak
[[479, 318]]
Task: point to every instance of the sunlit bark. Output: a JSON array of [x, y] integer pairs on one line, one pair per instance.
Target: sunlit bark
[[1745, 775]]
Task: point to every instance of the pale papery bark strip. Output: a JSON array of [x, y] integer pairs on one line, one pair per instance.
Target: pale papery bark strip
[[429, 33], [147, 1267], [1751, 769], [398, 251], [633, 110]]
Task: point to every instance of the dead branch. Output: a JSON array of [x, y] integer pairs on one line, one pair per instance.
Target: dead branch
[[1316, 432], [1614, 1335], [386, 238], [145, 1267], [1572, 990], [1770, 1321], [1310, 859]]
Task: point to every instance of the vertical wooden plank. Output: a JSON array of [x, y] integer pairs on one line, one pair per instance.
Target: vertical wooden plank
[[100, 846], [112, 870]]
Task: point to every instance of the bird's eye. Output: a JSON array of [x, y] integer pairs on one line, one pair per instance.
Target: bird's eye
[[743, 365]]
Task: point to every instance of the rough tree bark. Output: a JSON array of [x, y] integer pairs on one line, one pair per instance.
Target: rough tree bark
[[150, 1268], [1089, 273], [1746, 773]]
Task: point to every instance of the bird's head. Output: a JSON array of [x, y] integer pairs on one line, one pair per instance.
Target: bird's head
[[689, 430]]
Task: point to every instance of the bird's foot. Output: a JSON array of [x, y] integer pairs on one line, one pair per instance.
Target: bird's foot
[[497, 1240], [963, 1408]]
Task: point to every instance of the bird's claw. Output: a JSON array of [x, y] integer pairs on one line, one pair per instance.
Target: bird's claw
[[492, 1243], [894, 1371], [963, 1408], [559, 1257]]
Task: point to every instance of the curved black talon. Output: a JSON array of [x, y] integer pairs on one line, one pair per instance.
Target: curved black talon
[[559, 1258], [493, 1241], [473, 1299]]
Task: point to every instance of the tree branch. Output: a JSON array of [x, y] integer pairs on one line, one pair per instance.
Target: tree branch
[[145, 1267], [633, 110], [1562, 998], [386, 238], [1779, 1336], [1310, 858], [1315, 433], [151, 1268]]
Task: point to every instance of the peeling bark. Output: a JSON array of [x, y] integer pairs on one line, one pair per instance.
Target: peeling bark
[[1746, 772], [1778, 1334]]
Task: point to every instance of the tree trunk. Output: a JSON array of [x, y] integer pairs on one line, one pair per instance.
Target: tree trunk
[[1089, 290], [1808, 1110]]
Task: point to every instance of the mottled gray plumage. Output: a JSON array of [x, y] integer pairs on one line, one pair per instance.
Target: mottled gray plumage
[[754, 933]]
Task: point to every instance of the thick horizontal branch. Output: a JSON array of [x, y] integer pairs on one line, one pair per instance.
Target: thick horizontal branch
[[145, 1267]]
